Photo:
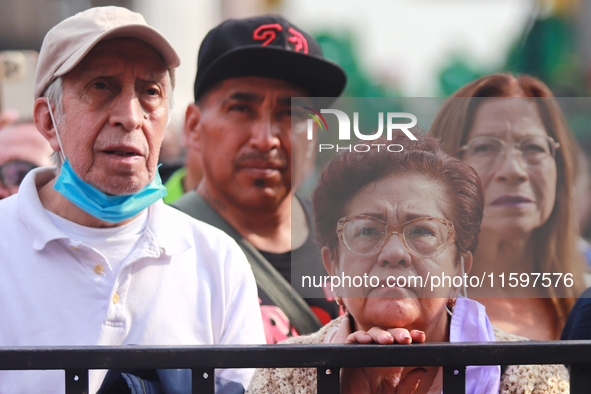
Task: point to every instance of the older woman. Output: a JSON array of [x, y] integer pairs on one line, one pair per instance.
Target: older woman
[[385, 215], [511, 131]]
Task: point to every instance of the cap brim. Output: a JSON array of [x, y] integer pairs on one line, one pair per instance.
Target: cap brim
[[318, 76], [142, 32]]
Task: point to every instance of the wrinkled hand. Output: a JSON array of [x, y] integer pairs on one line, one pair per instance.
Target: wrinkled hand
[[383, 380]]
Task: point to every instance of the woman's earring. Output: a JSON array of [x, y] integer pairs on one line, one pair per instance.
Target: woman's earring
[[451, 303], [340, 303]]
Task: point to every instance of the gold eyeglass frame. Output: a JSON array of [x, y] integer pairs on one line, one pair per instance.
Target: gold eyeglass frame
[[516, 145], [398, 230]]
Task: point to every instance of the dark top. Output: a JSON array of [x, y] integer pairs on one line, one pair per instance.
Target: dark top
[[305, 260], [578, 324]]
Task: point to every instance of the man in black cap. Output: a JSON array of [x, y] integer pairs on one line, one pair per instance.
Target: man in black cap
[[240, 124]]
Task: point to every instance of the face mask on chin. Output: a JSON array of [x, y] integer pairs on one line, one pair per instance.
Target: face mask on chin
[[113, 209]]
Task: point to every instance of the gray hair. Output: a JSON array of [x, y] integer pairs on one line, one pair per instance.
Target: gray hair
[[55, 94]]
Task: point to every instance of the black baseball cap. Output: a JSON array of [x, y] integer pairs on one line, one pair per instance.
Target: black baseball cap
[[266, 46]]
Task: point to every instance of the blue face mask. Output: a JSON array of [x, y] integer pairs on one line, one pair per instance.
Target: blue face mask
[[112, 209]]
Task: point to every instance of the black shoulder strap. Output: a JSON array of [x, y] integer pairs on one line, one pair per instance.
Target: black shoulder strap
[[267, 277]]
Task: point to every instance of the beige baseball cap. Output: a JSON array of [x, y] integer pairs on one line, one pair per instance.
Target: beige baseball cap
[[66, 44]]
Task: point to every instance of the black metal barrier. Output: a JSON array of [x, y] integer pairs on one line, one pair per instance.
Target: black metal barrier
[[328, 359]]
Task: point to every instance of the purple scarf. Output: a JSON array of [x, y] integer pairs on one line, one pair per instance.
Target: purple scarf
[[469, 323]]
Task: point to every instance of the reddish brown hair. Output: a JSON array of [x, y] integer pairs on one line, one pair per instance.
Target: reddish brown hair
[[348, 172], [557, 238]]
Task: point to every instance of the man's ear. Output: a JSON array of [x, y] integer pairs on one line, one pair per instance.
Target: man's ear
[[329, 261], [44, 124], [192, 127]]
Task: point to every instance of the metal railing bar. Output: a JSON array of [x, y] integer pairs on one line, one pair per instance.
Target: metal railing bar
[[328, 380], [76, 381], [580, 378], [305, 356], [203, 380], [454, 379]]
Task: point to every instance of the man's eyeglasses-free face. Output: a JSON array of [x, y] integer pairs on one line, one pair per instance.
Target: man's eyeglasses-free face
[[422, 237]]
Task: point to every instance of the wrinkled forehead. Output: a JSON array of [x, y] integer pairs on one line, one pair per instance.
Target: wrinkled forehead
[[116, 56], [506, 117], [400, 197]]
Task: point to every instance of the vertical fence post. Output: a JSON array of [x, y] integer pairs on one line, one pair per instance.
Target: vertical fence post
[[76, 381], [328, 380], [454, 379], [580, 378], [203, 380]]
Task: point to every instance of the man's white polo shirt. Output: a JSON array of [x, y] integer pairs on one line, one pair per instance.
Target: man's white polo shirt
[[186, 283]]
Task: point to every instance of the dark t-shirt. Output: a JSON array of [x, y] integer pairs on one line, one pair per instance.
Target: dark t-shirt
[[578, 324], [305, 260]]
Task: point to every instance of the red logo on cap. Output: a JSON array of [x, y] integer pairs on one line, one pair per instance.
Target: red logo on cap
[[299, 40], [266, 34]]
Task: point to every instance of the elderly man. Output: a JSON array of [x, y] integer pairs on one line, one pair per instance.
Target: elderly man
[[240, 124], [92, 256], [22, 148]]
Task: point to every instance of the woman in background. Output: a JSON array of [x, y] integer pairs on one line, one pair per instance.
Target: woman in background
[[512, 132]]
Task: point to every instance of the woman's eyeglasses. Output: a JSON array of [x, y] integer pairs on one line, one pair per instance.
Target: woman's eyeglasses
[[13, 172], [534, 150], [422, 237]]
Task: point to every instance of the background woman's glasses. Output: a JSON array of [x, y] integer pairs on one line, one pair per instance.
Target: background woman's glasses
[[534, 150]]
